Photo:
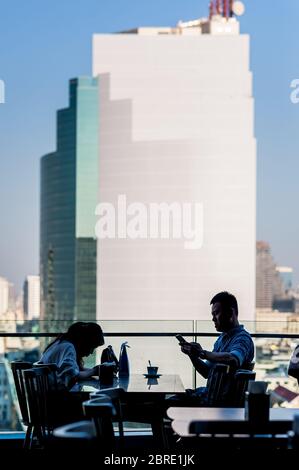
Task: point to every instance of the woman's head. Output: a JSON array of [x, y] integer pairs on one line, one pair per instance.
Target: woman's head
[[85, 336]]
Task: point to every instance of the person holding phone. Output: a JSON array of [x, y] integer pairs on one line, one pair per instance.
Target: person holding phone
[[233, 347]]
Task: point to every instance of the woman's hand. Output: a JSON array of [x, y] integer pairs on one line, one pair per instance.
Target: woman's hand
[[96, 370]]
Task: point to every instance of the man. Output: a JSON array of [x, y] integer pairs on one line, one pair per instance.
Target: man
[[234, 347]]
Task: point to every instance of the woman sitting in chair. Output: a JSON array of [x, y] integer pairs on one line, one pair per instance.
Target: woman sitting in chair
[[68, 350]]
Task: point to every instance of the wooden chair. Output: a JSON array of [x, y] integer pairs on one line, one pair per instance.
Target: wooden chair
[[117, 398], [227, 387], [100, 411], [81, 434], [17, 368], [38, 388]]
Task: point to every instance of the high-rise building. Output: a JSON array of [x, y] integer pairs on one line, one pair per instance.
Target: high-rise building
[[69, 181], [177, 125], [269, 285], [286, 275], [265, 271], [31, 297], [4, 295]]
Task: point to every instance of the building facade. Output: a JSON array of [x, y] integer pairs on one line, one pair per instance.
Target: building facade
[[69, 179], [177, 125], [265, 276], [286, 276], [31, 297], [4, 295]]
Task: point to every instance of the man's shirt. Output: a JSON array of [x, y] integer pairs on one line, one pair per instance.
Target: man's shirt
[[237, 342]]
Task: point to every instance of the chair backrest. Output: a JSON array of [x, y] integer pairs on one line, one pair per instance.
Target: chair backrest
[[227, 387], [117, 395], [52, 376], [38, 387], [217, 382], [240, 385], [101, 410], [17, 368]]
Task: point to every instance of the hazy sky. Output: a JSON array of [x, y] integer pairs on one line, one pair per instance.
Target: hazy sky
[[45, 43]]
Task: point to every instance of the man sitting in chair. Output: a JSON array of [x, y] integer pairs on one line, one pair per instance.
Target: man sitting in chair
[[234, 347]]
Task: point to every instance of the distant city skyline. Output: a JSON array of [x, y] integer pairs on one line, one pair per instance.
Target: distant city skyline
[[38, 59]]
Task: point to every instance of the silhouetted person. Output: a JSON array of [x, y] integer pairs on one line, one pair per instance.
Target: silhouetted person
[[69, 349], [234, 346]]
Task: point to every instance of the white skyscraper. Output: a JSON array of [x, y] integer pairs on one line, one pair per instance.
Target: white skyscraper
[[177, 125], [32, 297], [4, 295]]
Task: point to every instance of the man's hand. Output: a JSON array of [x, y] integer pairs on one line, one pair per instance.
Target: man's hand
[[191, 349], [186, 348]]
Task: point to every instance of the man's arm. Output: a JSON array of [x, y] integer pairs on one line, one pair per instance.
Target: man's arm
[[200, 366], [222, 357], [191, 349], [196, 354]]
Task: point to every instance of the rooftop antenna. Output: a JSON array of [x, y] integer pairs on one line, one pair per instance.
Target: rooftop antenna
[[231, 8], [225, 9], [212, 12]]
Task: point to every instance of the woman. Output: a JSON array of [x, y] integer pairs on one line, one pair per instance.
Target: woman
[[68, 350]]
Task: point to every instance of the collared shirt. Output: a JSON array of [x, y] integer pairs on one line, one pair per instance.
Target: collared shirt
[[63, 354], [237, 342]]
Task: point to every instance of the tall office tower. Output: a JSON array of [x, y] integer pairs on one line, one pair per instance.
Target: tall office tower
[[4, 295], [69, 180], [176, 125], [268, 283], [286, 275], [31, 297]]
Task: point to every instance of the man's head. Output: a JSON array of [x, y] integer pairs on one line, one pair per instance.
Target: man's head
[[224, 311]]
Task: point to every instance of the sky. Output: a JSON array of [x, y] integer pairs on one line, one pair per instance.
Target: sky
[[44, 44]]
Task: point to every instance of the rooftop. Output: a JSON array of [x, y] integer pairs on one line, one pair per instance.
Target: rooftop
[[215, 25]]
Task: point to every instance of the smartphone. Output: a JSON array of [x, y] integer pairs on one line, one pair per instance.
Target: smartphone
[[181, 339]]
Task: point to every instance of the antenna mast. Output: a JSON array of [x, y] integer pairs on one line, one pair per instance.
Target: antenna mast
[[231, 8], [212, 11], [225, 9], [218, 7]]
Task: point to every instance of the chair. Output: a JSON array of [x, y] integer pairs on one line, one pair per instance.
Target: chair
[[17, 368], [227, 387], [81, 430], [242, 378], [38, 387], [117, 396], [100, 411], [82, 434]]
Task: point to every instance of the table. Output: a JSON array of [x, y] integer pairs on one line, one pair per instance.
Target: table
[[280, 418], [144, 399], [137, 384]]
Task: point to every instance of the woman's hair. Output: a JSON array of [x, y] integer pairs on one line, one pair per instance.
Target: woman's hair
[[84, 336]]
